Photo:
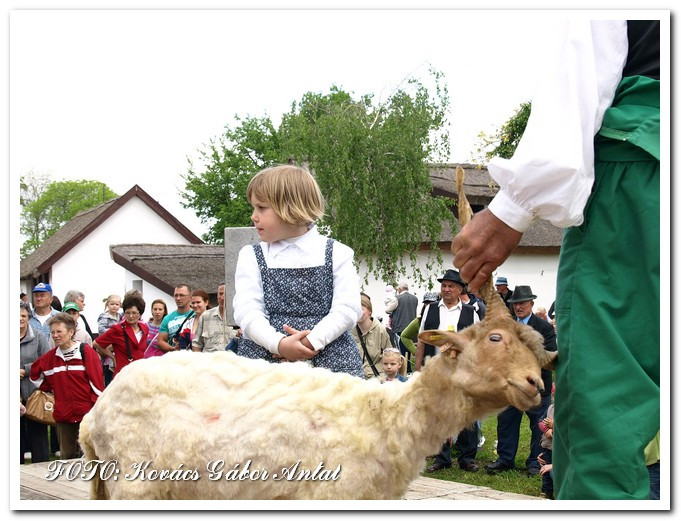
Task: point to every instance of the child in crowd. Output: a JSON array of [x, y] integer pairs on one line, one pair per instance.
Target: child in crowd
[[394, 366], [545, 458], [111, 315], [296, 293]]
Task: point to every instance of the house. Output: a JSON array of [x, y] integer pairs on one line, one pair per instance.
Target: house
[[156, 269], [533, 263], [78, 255], [116, 260]]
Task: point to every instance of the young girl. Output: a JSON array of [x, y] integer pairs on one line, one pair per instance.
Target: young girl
[[394, 367], [111, 315], [296, 292]]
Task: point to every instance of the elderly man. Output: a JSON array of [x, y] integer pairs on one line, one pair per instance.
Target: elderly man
[[42, 308], [213, 333], [78, 297], [508, 420], [451, 314], [501, 284]]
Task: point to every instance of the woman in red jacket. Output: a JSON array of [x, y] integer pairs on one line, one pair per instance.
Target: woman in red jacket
[[127, 340], [72, 371]]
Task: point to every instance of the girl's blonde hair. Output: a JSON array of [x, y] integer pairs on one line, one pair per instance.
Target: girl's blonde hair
[[291, 191], [111, 297], [394, 352]]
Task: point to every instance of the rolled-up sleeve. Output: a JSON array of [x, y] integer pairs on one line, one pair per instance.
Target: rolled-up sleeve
[[249, 303], [552, 171], [346, 307]]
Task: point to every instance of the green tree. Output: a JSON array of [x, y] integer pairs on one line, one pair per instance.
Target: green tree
[[371, 163], [45, 209], [504, 142], [218, 193]]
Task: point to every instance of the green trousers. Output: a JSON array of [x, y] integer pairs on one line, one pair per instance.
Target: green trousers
[[607, 400]]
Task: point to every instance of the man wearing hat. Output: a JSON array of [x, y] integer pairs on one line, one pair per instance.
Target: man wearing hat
[[502, 288], [450, 313], [42, 308], [508, 420]]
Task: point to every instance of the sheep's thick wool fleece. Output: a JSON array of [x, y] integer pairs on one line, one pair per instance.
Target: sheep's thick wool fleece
[[209, 403]]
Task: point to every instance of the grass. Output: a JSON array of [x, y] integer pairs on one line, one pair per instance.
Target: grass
[[515, 481]]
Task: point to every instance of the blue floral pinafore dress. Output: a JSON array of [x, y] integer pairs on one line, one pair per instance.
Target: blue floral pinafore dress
[[301, 297]]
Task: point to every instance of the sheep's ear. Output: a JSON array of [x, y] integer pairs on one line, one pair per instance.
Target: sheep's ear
[[535, 342], [446, 341]]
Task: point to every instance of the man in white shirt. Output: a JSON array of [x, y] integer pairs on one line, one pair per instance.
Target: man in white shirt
[[589, 161]]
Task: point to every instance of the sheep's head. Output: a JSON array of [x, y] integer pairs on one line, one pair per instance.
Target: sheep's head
[[498, 360]]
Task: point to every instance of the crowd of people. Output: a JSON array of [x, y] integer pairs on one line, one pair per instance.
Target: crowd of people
[[62, 355], [297, 298]]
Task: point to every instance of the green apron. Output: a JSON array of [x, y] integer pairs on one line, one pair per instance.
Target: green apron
[[607, 400]]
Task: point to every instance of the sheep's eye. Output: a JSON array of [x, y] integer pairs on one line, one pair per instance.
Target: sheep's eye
[[495, 338]]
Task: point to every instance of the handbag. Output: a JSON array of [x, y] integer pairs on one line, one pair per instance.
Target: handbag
[[152, 349], [39, 407]]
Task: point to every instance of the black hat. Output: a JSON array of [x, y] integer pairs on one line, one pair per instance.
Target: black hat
[[522, 294], [454, 276]]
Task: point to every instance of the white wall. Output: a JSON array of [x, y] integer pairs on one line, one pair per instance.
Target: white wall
[[88, 267], [150, 293], [537, 271]]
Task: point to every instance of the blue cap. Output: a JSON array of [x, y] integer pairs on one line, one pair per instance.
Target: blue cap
[[42, 287], [501, 280]]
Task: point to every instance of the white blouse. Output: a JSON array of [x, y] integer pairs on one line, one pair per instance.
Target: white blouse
[[301, 252], [552, 171]]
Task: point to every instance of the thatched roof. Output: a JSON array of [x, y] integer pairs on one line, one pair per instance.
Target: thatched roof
[[480, 188], [82, 224], [541, 237], [167, 265]]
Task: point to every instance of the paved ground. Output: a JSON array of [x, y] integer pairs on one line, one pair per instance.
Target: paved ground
[[35, 486]]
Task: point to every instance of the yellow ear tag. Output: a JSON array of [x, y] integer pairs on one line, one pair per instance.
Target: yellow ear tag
[[450, 328]]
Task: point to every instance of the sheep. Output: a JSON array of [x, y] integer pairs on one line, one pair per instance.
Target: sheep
[[337, 436], [191, 426]]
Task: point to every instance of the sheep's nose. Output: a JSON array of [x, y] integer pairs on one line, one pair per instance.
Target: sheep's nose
[[537, 383]]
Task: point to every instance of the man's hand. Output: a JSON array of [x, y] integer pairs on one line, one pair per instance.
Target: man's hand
[[293, 347], [482, 246]]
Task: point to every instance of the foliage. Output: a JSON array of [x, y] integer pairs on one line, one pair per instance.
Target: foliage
[[218, 193], [504, 142], [371, 163], [45, 207]]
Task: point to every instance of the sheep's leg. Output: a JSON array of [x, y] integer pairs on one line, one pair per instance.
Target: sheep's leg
[[98, 488]]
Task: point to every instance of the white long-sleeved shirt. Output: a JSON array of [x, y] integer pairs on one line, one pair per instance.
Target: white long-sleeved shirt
[[552, 171], [301, 252], [449, 317]]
